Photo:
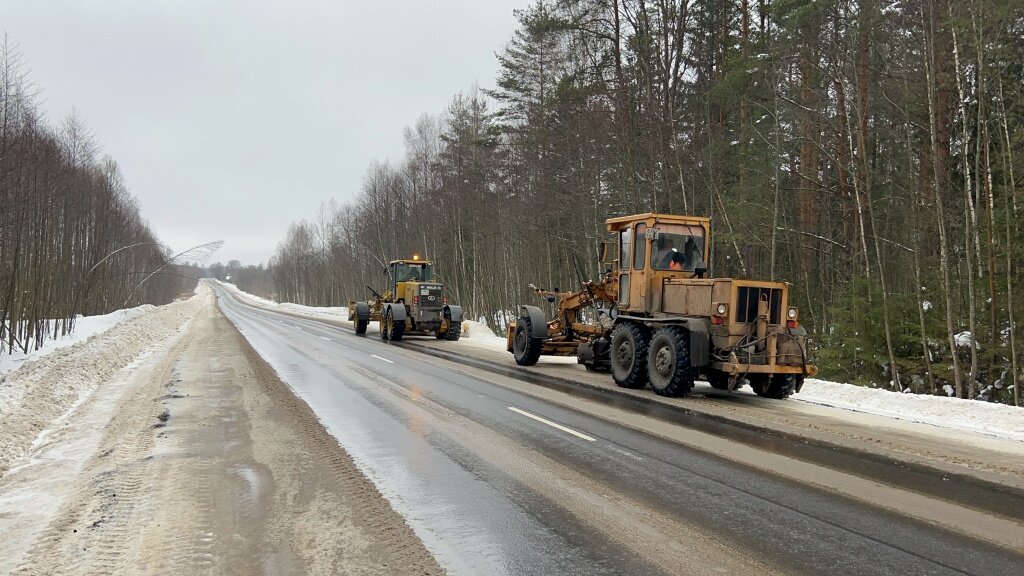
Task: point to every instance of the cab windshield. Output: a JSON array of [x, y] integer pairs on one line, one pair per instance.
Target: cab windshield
[[412, 272], [677, 247]]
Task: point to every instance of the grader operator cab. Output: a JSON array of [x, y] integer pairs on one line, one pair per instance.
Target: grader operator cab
[[654, 318], [414, 303]]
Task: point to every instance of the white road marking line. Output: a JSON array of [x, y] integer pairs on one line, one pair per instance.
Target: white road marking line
[[326, 338], [384, 359], [552, 424]]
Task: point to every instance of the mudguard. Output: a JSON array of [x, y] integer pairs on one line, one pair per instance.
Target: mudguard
[[700, 341], [454, 313], [397, 311], [538, 325], [363, 311]]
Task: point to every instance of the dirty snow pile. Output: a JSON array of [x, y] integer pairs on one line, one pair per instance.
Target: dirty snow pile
[[987, 418], [46, 387]]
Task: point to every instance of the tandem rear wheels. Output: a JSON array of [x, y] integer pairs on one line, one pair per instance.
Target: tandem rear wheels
[[662, 358]]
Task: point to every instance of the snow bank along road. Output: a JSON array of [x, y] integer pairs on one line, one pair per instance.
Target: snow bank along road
[[193, 459], [498, 475]]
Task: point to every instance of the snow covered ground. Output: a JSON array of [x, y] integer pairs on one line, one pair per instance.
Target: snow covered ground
[[987, 418], [85, 328], [49, 385]]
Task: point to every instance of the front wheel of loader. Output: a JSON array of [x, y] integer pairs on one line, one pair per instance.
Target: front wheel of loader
[[361, 325], [525, 347], [668, 364], [629, 355]]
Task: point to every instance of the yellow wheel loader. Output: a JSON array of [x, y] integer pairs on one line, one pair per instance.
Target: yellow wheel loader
[[414, 303]]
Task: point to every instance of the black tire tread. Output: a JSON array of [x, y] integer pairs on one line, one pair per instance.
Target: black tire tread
[[454, 331], [397, 328], [681, 381], [637, 377], [531, 354]]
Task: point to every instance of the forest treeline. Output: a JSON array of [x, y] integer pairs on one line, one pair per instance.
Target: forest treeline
[[866, 151], [72, 239]]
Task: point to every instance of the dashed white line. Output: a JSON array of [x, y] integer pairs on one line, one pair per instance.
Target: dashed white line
[[326, 338], [552, 424], [384, 359]]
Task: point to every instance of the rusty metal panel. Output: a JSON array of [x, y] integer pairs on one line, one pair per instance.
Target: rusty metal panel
[[789, 352], [722, 291], [687, 299]]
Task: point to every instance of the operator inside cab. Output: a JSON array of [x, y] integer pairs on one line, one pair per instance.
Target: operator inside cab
[[405, 272], [666, 254]]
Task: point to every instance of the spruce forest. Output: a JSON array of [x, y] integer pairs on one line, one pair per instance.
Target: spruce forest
[[868, 152]]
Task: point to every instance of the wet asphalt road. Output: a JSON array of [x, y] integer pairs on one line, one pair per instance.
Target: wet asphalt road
[[481, 517]]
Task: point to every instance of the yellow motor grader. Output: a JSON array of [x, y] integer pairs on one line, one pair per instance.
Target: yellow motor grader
[[413, 304], [654, 318]]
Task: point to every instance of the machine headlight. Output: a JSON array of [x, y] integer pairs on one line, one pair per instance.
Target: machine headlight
[[793, 313], [722, 308]]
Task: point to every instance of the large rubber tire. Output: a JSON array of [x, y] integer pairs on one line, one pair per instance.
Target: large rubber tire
[[779, 386], [629, 355], [525, 347], [361, 325], [391, 330], [397, 330], [668, 362], [454, 331]]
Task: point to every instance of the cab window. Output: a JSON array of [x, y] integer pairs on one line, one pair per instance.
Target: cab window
[[639, 246], [678, 247], [624, 243], [412, 272]]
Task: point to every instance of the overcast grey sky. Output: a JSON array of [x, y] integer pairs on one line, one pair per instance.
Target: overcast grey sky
[[231, 119]]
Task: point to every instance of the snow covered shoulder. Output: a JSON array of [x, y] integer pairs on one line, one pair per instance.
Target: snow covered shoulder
[[51, 382]]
